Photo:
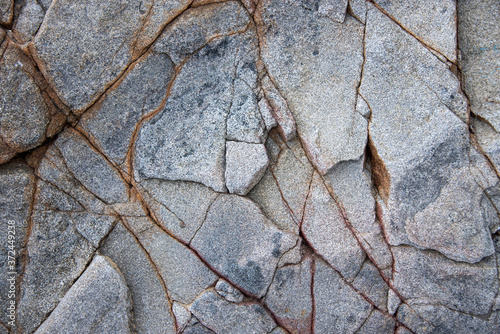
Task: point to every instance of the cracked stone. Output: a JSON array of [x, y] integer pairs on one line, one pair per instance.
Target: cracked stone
[[98, 302], [420, 148], [91, 168], [191, 143], [334, 9], [316, 64], [195, 327], [185, 275], [225, 317], [377, 323], [369, 282], [83, 47], [338, 307], [24, 116], [245, 165], [6, 11], [433, 23], [182, 315], [427, 277], [16, 191], [289, 296], [229, 293], [180, 207], [327, 233], [28, 22], [249, 246], [152, 313], [112, 122], [358, 9]]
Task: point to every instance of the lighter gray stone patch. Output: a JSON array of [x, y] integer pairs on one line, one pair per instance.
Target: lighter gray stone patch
[[339, 309], [317, 73], [224, 317], [432, 22], [91, 168], [245, 165], [28, 22], [151, 307], [98, 302]]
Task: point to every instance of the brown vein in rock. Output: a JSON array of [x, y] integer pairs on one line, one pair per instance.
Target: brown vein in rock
[[153, 265], [427, 46]]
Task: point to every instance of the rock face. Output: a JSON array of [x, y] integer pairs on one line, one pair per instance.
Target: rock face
[[272, 166]]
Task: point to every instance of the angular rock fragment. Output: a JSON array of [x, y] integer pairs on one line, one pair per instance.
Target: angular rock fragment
[[248, 245], [427, 277], [24, 115], [6, 11], [316, 63], [111, 123], [434, 23], [182, 315], [91, 168], [152, 311], [185, 275], [326, 231], [478, 38], [98, 302], [289, 296], [334, 9], [245, 166], [370, 283], [83, 47], [338, 308], [221, 316], [58, 255], [420, 147], [229, 293], [358, 9], [181, 207], [191, 143], [29, 20], [197, 27], [279, 110]]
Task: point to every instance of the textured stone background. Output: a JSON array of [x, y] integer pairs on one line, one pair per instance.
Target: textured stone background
[[272, 166]]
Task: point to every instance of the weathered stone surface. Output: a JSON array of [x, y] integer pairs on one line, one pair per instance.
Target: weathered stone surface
[[420, 148], [325, 229], [16, 192], [222, 316], [193, 120], [82, 47], [248, 245], [58, 255], [432, 23], [253, 166], [427, 277], [6, 11], [185, 275], [338, 308], [98, 302], [112, 122], [29, 20], [439, 319], [289, 296], [24, 116], [181, 207], [377, 323], [152, 310], [317, 73], [91, 168], [227, 291], [480, 61], [245, 166]]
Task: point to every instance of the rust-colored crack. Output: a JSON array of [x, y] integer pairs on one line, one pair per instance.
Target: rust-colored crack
[[313, 298], [204, 219], [153, 265], [409, 32], [379, 218]]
